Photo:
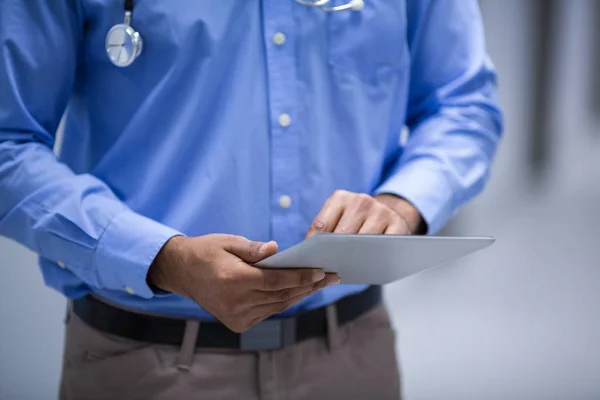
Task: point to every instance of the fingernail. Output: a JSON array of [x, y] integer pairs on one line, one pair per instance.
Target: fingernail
[[263, 248], [335, 280], [318, 225], [318, 275]]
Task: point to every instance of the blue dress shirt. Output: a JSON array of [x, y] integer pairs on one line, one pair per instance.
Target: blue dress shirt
[[238, 117]]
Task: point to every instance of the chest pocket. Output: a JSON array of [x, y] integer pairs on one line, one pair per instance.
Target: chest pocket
[[368, 43]]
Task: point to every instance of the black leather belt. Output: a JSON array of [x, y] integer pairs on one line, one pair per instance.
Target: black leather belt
[[274, 333]]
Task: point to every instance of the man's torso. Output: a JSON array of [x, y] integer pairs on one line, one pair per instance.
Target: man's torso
[[216, 128]]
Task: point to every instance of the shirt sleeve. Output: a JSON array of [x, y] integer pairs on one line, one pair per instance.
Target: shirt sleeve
[[453, 116], [72, 219]]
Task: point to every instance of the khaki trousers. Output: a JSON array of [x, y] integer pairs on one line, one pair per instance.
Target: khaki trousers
[[355, 361]]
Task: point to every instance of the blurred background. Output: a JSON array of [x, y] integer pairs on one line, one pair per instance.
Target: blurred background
[[520, 320]]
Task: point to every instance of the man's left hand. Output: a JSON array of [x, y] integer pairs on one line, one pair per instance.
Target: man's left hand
[[348, 212]]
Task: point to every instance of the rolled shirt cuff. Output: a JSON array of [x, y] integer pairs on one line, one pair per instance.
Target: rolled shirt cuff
[[126, 250], [423, 184]]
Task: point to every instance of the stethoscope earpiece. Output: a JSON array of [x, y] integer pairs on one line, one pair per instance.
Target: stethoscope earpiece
[[357, 5]]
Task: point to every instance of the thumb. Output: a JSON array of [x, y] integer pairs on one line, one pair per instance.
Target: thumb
[[250, 251]]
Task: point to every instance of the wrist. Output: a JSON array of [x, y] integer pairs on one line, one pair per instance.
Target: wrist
[[168, 258], [406, 210]]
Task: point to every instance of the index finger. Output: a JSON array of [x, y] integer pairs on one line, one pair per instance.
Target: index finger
[[328, 217], [277, 279]]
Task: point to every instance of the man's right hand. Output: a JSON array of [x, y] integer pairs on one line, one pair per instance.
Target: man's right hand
[[215, 272]]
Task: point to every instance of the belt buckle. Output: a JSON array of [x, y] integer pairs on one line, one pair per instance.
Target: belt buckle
[[270, 334]]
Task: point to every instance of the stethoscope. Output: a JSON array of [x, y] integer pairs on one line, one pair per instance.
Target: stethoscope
[[353, 5], [124, 44]]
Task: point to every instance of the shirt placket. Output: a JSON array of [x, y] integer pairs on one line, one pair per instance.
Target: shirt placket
[[285, 145]]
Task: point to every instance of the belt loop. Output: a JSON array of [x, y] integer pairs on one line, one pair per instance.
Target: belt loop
[[333, 334], [188, 345]]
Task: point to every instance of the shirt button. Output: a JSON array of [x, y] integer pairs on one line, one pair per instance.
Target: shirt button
[[285, 201], [129, 290], [279, 38], [285, 120], [61, 264]]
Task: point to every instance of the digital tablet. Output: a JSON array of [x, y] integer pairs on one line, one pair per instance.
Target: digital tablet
[[374, 259]]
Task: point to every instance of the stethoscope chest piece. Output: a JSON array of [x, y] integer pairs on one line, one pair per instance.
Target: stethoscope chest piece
[[123, 43]]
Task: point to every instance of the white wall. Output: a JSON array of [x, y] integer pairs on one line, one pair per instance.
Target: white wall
[[517, 321], [520, 320], [31, 328]]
